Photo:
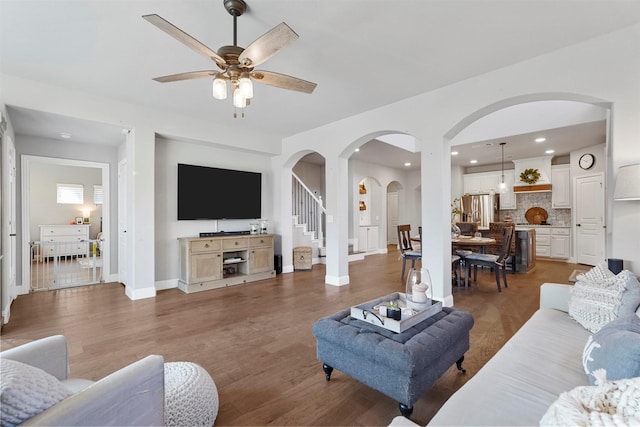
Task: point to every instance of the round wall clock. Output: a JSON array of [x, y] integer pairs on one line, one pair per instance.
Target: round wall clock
[[587, 161]]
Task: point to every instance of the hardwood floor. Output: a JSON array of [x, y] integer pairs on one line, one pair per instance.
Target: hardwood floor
[[256, 342]]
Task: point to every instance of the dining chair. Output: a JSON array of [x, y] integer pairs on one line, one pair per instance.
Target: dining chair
[[497, 262], [406, 248]]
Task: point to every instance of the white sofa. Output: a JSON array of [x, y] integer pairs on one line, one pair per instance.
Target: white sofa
[[519, 384], [131, 396]]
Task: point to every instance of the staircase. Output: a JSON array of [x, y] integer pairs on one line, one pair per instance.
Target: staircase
[[308, 219], [308, 223]]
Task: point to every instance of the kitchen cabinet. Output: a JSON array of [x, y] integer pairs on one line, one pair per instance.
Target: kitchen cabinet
[[488, 182], [217, 262], [543, 242], [481, 183], [561, 187], [368, 238], [553, 242], [560, 243]]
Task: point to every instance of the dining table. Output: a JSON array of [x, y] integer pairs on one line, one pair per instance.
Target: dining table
[[472, 242]]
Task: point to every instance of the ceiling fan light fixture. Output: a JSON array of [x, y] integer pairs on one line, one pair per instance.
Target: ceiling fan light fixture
[[239, 101], [246, 86], [219, 88]]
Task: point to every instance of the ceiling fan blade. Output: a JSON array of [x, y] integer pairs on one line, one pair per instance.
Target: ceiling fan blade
[[267, 45], [283, 81], [184, 38], [187, 76]]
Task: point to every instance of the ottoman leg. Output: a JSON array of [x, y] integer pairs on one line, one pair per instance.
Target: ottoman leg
[[459, 365], [327, 371], [405, 410]]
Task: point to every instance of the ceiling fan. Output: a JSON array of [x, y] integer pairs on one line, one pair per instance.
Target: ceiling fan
[[237, 64]]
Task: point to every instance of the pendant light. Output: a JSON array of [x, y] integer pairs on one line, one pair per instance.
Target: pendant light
[[502, 186]]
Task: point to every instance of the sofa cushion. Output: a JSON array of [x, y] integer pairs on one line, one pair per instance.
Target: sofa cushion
[[615, 348], [611, 403], [518, 384], [26, 391], [597, 298]]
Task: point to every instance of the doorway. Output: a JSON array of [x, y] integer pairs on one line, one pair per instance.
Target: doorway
[[70, 264]]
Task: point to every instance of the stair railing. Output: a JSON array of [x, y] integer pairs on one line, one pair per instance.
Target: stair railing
[[308, 208]]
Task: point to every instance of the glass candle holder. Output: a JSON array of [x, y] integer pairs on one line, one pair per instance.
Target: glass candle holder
[[263, 226]]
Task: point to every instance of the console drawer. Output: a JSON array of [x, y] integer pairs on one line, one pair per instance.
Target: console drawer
[[205, 246]]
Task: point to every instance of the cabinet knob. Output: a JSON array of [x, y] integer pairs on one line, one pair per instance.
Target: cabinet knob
[[206, 245], [236, 243], [261, 241]]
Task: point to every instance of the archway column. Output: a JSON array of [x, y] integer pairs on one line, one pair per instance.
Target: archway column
[[436, 234], [140, 153], [337, 221]]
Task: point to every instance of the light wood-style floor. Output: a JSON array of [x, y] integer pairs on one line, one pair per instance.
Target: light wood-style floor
[[256, 342]]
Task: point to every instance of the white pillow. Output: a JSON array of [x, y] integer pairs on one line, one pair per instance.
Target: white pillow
[[25, 391], [597, 298], [614, 403]]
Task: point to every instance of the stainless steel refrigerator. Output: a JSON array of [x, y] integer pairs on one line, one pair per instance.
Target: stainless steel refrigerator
[[480, 208]]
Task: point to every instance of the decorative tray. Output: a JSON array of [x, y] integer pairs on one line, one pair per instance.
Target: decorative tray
[[536, 215], [410, 317]]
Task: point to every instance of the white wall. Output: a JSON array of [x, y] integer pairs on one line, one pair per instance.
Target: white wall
[[168, 154], [312, 175]]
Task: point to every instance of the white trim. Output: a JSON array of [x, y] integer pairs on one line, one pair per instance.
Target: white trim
[[336, 280], [161, 285]]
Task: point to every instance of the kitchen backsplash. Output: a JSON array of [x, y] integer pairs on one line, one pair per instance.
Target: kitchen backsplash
[[524, 201]]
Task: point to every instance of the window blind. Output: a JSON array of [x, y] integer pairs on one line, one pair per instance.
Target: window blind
[[72, 194]]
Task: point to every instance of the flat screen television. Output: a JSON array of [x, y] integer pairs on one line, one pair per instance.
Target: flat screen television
[[213, 193]]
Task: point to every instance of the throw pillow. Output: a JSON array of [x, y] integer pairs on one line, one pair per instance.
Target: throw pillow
[[599, 272], [595, 301], [25, 391], [615, 403], [615, 349]]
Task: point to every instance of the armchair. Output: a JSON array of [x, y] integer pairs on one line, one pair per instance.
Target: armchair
[[133, 395]]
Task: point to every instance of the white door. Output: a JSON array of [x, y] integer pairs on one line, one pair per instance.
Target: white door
[[589, 225], [392, 218], [122, 222], [10, 267]]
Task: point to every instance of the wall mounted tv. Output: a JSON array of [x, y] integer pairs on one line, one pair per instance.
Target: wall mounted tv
[[213, 193]]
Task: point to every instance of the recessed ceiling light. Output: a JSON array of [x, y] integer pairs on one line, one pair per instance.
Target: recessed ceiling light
[[65, 135], [541, 139], [407, 164], [473, 161], [357, 149], [454, 153], [549, 151]]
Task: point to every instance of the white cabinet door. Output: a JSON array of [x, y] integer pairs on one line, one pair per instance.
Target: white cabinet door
[[368, 239], [560, 246], [561, 187], [481, 183], [472, 184]]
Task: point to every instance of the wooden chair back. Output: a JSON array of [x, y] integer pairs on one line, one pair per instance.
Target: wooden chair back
[[404, 238], [507, 239]]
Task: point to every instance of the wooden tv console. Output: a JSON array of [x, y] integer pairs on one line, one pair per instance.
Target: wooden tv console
[[216, 262]]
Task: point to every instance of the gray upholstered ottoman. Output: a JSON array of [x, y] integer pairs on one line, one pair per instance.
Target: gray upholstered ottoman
[[401, 365]]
